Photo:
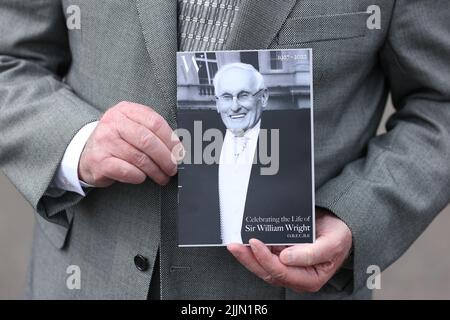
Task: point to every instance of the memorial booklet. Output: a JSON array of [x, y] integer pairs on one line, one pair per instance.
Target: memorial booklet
[[245, 119]]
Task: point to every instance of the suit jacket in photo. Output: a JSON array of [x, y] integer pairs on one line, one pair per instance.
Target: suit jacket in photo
[[286, 193]]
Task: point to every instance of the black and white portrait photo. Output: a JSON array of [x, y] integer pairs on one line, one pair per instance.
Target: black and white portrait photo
[[246, 123]]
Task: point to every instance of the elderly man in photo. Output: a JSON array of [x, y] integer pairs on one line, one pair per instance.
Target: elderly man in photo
[[241, 98]]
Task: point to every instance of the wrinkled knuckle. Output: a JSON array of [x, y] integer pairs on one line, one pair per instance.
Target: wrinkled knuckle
[[140, 159], [330, 265], [268, 279], [124, 171], [121, 105], [109, 116], [147, 141], [156, 121], [106, 118], [281, 276], [95, 159]]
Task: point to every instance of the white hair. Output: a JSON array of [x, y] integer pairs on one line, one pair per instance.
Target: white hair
[[242, 66]]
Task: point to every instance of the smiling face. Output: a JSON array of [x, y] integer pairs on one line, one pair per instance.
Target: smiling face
[[240, 100]]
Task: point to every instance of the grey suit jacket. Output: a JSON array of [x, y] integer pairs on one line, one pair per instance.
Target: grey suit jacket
[[386, 188]]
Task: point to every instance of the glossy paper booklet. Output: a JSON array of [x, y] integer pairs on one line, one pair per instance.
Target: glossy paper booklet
[[246, 122]]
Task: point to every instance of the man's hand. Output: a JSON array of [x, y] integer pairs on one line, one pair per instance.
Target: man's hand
[[130, 143], [302, 267]]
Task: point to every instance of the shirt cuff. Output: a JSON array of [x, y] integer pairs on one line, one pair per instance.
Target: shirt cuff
[[66, 177]]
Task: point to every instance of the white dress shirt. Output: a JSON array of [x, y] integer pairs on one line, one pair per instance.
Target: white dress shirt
[[66, 177], [235, 166]]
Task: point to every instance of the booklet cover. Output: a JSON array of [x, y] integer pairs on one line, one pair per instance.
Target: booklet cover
[[245, 121]]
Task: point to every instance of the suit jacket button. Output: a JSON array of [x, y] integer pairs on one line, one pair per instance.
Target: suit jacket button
[[141, 263]]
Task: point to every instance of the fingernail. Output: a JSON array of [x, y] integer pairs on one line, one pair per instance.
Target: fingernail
[[287, 257], [290, 257], [327, 265], [253, 245]]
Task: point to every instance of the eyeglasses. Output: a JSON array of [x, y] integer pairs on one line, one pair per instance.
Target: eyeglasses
[[242, 97]]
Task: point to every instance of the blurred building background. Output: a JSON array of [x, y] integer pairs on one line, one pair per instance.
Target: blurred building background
[[423, 272], [286, 73]]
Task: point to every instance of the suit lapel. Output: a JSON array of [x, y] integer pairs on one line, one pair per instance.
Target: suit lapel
[[257, 23], [158, 20]]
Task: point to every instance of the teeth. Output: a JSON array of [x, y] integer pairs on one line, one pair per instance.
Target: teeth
[[238, 116]]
